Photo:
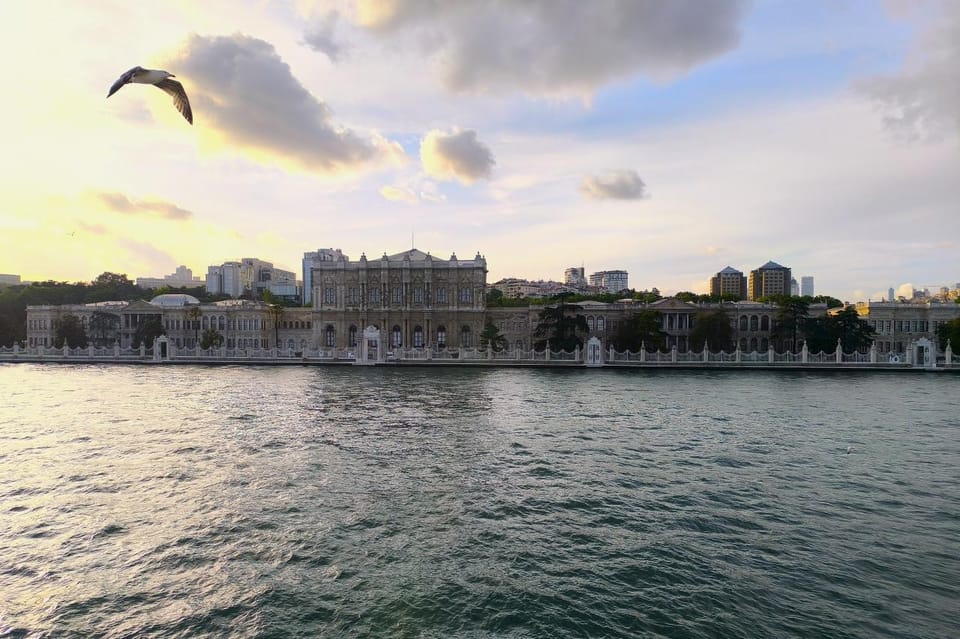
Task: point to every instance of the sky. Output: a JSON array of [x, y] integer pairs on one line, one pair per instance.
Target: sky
[[668, 139]]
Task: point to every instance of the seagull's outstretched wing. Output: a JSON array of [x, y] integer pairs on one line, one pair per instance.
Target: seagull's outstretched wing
[[122, 80], [175, 89]]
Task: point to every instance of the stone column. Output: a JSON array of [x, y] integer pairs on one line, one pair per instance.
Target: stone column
[[839, 352], [873, 353], [948, 354], [770, 354], [804, 353], [673, 354]]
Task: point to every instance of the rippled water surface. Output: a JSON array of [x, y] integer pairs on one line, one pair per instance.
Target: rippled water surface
[[140, 501]]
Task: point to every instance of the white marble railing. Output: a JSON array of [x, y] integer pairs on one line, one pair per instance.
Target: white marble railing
[[611, 356]]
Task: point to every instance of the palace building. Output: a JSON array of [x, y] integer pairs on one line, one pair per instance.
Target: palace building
[[413, 298]]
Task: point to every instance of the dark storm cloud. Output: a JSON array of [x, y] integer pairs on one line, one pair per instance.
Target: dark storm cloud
[[243, 89], [618, 185], [562, 45]]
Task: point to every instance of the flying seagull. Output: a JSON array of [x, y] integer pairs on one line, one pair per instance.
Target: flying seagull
[[161, 80]]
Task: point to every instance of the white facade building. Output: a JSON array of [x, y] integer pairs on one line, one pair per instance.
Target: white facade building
[[181, 277], [806, 285], [612, 281]]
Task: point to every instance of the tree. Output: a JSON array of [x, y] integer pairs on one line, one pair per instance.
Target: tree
[[949, 331], [148, 330], [211, 338], [490, 336], [641, 329], [103, 327], [822, 333], [276, 311], [194, 313], [854, 333], [559, 325], [494, 297], [70, 331], [712, 330], [791, 314]]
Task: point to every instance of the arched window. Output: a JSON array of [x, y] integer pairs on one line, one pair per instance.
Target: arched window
[[290, 343], [601, 324], [441, 337], [590, 323], [223, 323], [764, 344], [519, 345], [765, 323], [353, 336], [743, 343], [743, 322], [203, 322], [753, 344], [754, 322], [329, 336], [466, 339], [418, 337], [396, 337]]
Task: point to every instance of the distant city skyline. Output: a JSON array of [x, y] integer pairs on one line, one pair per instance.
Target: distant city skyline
[[821, 135]]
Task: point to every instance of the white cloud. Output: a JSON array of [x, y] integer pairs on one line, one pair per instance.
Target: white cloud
[[456, 155], [559, 46], [398, 194], [922, 100], [244, 91], [617, 185]]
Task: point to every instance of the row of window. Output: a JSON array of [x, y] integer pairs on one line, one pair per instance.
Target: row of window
[[396, 336], [761, 323], [887, 327], [354, 296]]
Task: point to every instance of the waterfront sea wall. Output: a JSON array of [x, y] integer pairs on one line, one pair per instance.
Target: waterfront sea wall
[[919, 355]]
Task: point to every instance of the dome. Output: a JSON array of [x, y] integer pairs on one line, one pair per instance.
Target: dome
[[174, 299]]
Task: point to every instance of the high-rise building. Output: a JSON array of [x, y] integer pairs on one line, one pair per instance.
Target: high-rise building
[[794, 287], [769, 279], [312, 257], [612, 281], [575, 276], [9, 279], [806, 285], [890, 294], [729, 282], [251, 276]]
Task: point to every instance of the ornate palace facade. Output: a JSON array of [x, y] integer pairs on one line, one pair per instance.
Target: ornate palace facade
[[413, 298]]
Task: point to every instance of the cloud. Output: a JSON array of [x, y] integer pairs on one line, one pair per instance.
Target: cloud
[[457, 155], [320, 36], [559, 46], [922, 100], [92, 229], [241, 88], [618, 185], [398, 194], [120, 203], [905, 290]]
